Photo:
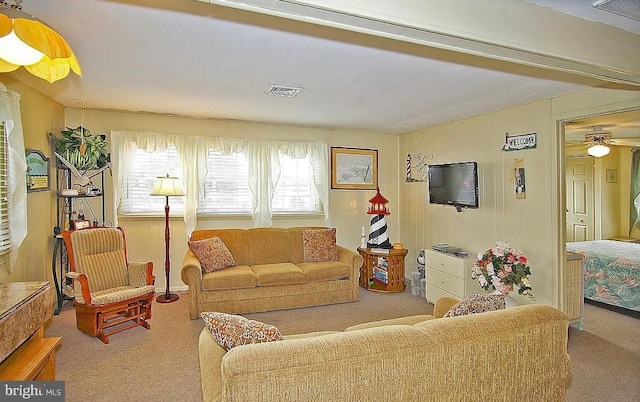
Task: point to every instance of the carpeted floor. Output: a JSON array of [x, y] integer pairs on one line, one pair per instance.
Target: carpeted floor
[[161, 364]]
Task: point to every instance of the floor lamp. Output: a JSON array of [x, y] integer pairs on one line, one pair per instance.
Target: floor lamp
[[167, 186]]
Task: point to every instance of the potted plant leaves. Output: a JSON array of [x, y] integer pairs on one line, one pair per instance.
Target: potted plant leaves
[[82, 149]]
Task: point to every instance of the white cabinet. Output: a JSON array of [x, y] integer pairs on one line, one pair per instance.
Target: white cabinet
[[448, 275]]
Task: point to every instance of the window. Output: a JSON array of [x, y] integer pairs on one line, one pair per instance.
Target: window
[[5, 240], [226, 186], [295, 191], [146, 167]]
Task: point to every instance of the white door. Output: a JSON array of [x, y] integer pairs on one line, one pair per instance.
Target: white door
[[580, 199]]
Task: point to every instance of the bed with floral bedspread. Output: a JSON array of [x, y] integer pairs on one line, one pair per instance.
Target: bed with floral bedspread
[[611, 271]]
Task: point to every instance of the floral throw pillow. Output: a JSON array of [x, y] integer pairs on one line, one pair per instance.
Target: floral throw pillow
[[477, 304], [212, 253], [319, 245], [229, 330]]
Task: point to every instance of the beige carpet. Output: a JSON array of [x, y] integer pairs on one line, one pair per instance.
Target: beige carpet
[[161, 364]]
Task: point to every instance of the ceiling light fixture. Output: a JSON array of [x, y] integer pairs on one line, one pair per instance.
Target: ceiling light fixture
[[27, 42], [599, 140], [598, 150]]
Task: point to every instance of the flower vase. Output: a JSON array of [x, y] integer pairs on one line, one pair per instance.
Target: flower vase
[[510, 302]]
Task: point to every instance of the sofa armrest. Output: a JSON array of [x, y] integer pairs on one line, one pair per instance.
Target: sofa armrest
[[191, 274], [210, 355], [351, 259], [442, 305], [354, 261]]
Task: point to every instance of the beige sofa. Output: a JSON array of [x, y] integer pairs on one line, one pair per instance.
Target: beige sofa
[[518, 354], [270, 273]]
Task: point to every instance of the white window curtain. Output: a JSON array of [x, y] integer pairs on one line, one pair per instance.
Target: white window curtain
[[17, 185], [263, 163]]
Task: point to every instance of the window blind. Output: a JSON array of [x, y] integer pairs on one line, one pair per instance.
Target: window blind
[[226, 185], [139, 181], [5, 239], [295, 191]]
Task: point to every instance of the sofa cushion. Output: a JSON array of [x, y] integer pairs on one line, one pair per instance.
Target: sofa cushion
[[477, 304], [295, 238], [279, 274], [319, 245], [212, 253], [324, 271], [236, 277], [234, 239], [229, 330], [268, 246]]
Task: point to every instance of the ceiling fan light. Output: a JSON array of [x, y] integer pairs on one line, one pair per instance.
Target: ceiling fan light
[[598, 150]]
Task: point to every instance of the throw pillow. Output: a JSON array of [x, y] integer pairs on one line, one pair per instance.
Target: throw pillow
[[319, 245], [212, 253], [477, 304], [229, 330]]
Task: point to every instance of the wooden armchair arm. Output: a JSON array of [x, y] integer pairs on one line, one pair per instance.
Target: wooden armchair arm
[[141, 274], [83, 279]]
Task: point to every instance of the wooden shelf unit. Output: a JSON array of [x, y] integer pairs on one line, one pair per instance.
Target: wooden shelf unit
[[392, 262]]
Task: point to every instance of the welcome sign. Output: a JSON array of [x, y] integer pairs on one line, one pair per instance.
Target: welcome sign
[[520, 141]]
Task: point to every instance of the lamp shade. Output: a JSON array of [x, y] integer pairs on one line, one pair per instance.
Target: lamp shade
[[27, 41], [598, 150], [167, 186]]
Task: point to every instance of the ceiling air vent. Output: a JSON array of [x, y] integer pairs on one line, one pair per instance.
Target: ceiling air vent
[[281, 90], [625, 8]]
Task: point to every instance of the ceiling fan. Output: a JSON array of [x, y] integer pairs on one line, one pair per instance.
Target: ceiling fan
[[600, 140]]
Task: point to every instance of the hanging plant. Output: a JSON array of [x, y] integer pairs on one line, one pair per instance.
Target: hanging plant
[[81, 148]]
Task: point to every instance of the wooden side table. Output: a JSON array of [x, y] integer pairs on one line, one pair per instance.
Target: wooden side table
[[382, 270]]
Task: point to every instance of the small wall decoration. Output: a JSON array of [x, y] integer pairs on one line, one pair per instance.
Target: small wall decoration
[[520, 141], [417, 167], [612, 176], [354, 169], [37, 171], [519, 179]]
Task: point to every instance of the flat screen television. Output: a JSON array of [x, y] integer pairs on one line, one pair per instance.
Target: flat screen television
[[454, 184]]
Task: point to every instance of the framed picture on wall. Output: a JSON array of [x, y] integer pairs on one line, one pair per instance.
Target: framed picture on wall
[[37, 171], [354, 168], [612, 176]]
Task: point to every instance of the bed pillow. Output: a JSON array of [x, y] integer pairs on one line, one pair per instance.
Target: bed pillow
[[319, 245], [212, 253], [477, 304], [229, 330]]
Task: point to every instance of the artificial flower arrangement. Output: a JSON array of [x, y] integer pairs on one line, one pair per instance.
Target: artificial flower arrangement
[[502, 268]]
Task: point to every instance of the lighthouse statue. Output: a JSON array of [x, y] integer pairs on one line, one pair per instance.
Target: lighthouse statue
[[378, 235]]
